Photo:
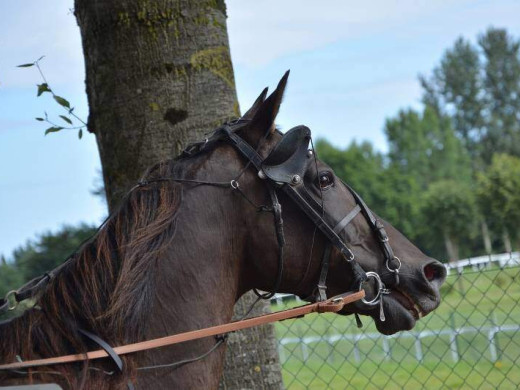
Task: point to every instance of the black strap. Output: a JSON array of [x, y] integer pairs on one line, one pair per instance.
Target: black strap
[[300, 198], [379, 229], [304, 200], [109, 350], [347, 219], [321, 294], [243, 147], [280, 237]]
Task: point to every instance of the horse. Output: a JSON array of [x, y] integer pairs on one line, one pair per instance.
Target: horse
[[193, 236]]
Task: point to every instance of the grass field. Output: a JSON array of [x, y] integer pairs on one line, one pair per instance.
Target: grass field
[[480, 300]]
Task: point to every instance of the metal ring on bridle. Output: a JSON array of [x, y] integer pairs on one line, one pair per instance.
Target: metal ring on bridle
[[379, 287], [11, 306], [393, 269], [234, 184]]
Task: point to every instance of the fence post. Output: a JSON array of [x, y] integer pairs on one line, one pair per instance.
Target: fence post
[[453, 339], [494, 348], [418, 347], [305, 350], [356, 350], [386, 348]]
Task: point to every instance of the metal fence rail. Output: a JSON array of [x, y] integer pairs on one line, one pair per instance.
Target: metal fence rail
[[472, 341]]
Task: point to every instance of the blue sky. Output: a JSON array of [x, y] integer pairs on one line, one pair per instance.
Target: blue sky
[[352, 63]]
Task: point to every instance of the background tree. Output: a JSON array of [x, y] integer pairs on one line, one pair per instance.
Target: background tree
[[501, 87], [478, 87], [455, 90], [499, 197], [158, 76], [449, 207], [41, 255]]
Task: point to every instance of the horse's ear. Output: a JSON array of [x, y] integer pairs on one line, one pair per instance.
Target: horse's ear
[[256, 105], [264, 117]]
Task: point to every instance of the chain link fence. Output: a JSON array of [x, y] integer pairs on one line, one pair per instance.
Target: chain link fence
[[472, 341]]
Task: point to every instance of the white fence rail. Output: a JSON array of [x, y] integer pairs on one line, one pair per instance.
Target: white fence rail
[[510, 259], [490, 331]]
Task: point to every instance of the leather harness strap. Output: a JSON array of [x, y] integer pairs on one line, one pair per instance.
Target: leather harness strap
[[334, 305], [345, 221]]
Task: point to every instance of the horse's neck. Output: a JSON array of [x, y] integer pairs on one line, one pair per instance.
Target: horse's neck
[[197, 284]]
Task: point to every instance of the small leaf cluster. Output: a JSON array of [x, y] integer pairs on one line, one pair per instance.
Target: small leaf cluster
[[71, 120]]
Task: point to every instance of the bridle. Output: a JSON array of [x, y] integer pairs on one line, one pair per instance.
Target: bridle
[[282, 170], [285, 173]]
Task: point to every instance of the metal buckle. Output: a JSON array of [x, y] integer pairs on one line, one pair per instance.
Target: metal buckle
[[10, 306], [350, 255], [393, 269]]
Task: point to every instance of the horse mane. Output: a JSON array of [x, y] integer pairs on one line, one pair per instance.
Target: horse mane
[[107, 287]]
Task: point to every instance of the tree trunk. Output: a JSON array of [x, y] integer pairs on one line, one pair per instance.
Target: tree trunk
[[159, 75], [255, 368], [507, 241], [451, 247], [486, 237]]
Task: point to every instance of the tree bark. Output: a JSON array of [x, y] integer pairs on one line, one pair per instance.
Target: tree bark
[[158, 76], [451, 247], [486, 237], [507, 241], [259, 368]]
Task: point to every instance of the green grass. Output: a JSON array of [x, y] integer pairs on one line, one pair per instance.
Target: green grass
[[479, 299]]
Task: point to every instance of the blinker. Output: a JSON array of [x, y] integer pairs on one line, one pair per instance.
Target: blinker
[[288, 160]]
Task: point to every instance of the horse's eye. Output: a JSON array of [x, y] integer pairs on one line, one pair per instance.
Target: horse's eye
[[326, 180]]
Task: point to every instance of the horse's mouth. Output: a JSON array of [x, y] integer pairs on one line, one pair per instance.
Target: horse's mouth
[[400, 308], [408, 303]]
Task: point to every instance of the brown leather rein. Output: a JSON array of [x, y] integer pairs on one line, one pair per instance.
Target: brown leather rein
[[332, 305]]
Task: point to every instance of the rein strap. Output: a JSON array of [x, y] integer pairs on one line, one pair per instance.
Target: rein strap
[[331, 305]]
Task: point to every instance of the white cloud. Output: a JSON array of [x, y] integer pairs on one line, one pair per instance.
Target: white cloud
[[261, 31]]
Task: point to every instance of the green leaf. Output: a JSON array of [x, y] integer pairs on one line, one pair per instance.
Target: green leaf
[[53, 129], [80, 133], [66, 119], [43, 88], [25, 65], [61, 101], [39, 119]]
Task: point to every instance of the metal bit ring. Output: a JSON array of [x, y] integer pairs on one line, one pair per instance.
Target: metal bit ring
[[380, 287]]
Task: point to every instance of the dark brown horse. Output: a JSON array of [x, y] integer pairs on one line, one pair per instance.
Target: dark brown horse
[[178, 254]]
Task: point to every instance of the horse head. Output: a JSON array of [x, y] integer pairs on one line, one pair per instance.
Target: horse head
[[403, 283]]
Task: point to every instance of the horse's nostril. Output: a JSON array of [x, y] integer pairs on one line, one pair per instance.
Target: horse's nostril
[[434, 271]]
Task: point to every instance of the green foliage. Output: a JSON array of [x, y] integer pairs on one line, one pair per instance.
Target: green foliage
[[10, 277], [501, 82], [449, 206], [498, 193], [478, 88], [45, 253], [359, 165], [64, 103], [425, 146]]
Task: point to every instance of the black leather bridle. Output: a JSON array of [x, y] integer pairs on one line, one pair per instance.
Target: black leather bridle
[[283, 170]]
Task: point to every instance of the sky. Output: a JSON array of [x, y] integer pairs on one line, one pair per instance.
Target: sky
[[353, 64]]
